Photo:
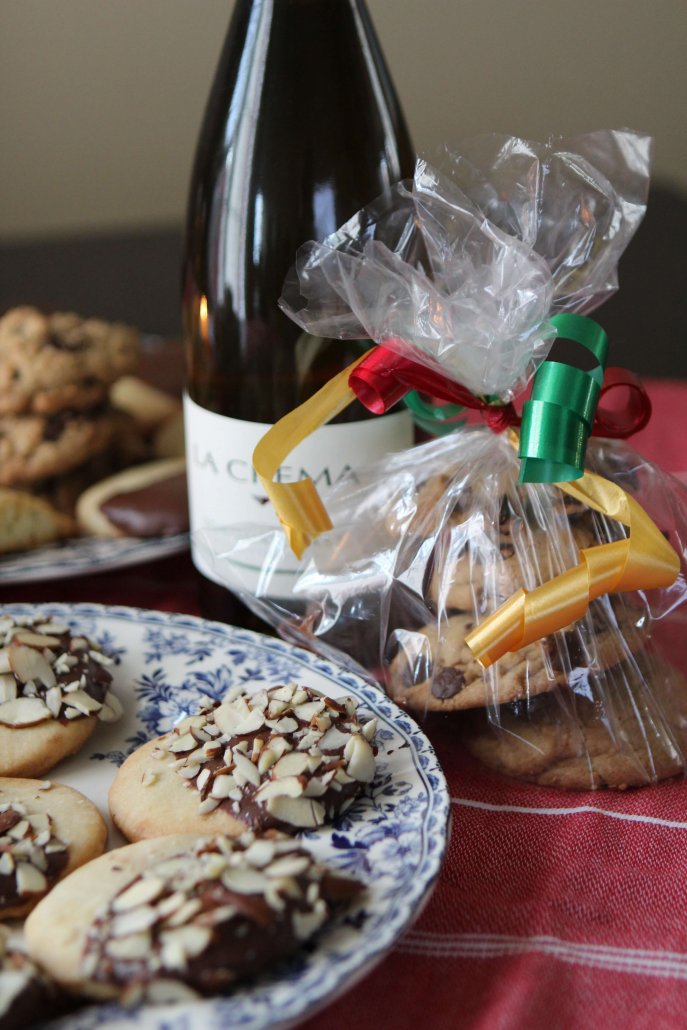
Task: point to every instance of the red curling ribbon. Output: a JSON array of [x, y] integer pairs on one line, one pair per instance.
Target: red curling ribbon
[[383, 378], [629, 417]]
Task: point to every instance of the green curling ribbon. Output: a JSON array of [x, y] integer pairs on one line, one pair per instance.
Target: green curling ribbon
[[435, 419], [558, 418]]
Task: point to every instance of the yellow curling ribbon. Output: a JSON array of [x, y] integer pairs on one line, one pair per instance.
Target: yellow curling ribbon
[[298, 505], [643, 561]]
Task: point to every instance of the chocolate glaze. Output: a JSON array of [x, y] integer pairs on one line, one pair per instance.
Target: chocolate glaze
[[159, 509], [256, 936], [97, 678]]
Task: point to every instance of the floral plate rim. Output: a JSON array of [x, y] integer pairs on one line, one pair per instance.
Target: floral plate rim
[[410, 768]]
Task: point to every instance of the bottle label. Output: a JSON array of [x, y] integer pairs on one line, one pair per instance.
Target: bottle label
[[224, 489]]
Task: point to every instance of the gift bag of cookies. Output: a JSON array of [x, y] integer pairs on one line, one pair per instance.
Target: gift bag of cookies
[[523, 576]]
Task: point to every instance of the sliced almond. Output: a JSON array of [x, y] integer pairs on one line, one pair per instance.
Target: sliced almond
[[305, 924], [24, 711], [135, 946], [244, 770], [29, 880], [8, 687], [304, 813], [141, 892], [186, 742], [288, 865], [293, 763], [244, 880], [253, 722], [361, 759], [228, 718], [28, 664], [287, 786], [84, 702], [333, 740], [26, 636], [5, 660]]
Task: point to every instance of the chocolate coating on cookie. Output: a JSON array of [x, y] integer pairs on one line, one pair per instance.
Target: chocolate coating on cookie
[[31, 855], [46, 672], [210, 915], [287, 758]]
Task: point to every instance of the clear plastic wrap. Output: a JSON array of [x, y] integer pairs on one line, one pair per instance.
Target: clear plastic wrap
[[461, 271], [430, 541]]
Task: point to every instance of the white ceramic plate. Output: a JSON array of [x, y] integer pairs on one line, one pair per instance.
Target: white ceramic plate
[[86, 555], [393, 838]]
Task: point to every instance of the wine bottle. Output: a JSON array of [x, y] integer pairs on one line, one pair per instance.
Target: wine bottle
[[301, 130]]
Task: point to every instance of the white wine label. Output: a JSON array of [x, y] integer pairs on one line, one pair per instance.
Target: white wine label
[[224, 489]]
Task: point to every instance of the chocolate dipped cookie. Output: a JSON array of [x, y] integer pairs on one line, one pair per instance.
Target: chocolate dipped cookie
[[46, 831], [180, 916], [143, 501], [54, 687], [287, 758]]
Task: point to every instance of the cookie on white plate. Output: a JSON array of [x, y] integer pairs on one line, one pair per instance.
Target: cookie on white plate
[[287, 758], [180, 916], [54, 687], [46, 831]]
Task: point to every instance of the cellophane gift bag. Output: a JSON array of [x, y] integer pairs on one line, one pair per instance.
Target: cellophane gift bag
[[461, 271]]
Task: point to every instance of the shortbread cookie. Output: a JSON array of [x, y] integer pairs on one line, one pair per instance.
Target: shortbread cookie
[[27, 521], [46, 831], [33, 447], [287, 758], [181, 916], [147, 500], [630, 734], [168, 439], [51, 363], [148, 406], [434, 669], [26, 995], [54, 687]]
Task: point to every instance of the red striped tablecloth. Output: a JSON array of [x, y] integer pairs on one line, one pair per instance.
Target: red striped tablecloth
[[553, 910]]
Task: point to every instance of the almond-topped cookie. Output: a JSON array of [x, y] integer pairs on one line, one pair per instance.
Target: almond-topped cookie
[[288, 758], [46, 831], [54, 687], [181, 916], [26, 994]]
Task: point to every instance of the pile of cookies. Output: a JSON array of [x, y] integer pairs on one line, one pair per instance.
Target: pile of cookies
[[592, 706], [448, 534], [72, 413], [214, 887]]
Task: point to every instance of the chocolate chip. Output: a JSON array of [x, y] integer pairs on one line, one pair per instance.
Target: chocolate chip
[[448, 683], [507, 550]]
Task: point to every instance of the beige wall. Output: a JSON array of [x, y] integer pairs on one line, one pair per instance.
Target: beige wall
[[100, 100]]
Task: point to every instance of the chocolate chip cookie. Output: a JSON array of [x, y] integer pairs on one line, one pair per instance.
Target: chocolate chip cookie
[[34, 447], [477, 565], [628, 731], [56, 362], [433, 669]]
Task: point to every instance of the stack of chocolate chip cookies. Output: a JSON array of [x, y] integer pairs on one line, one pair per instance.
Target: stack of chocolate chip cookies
[[56, 424], [591, 706]]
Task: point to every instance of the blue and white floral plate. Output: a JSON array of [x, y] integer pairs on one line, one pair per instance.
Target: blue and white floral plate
[[86, 555], [393, 839]]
